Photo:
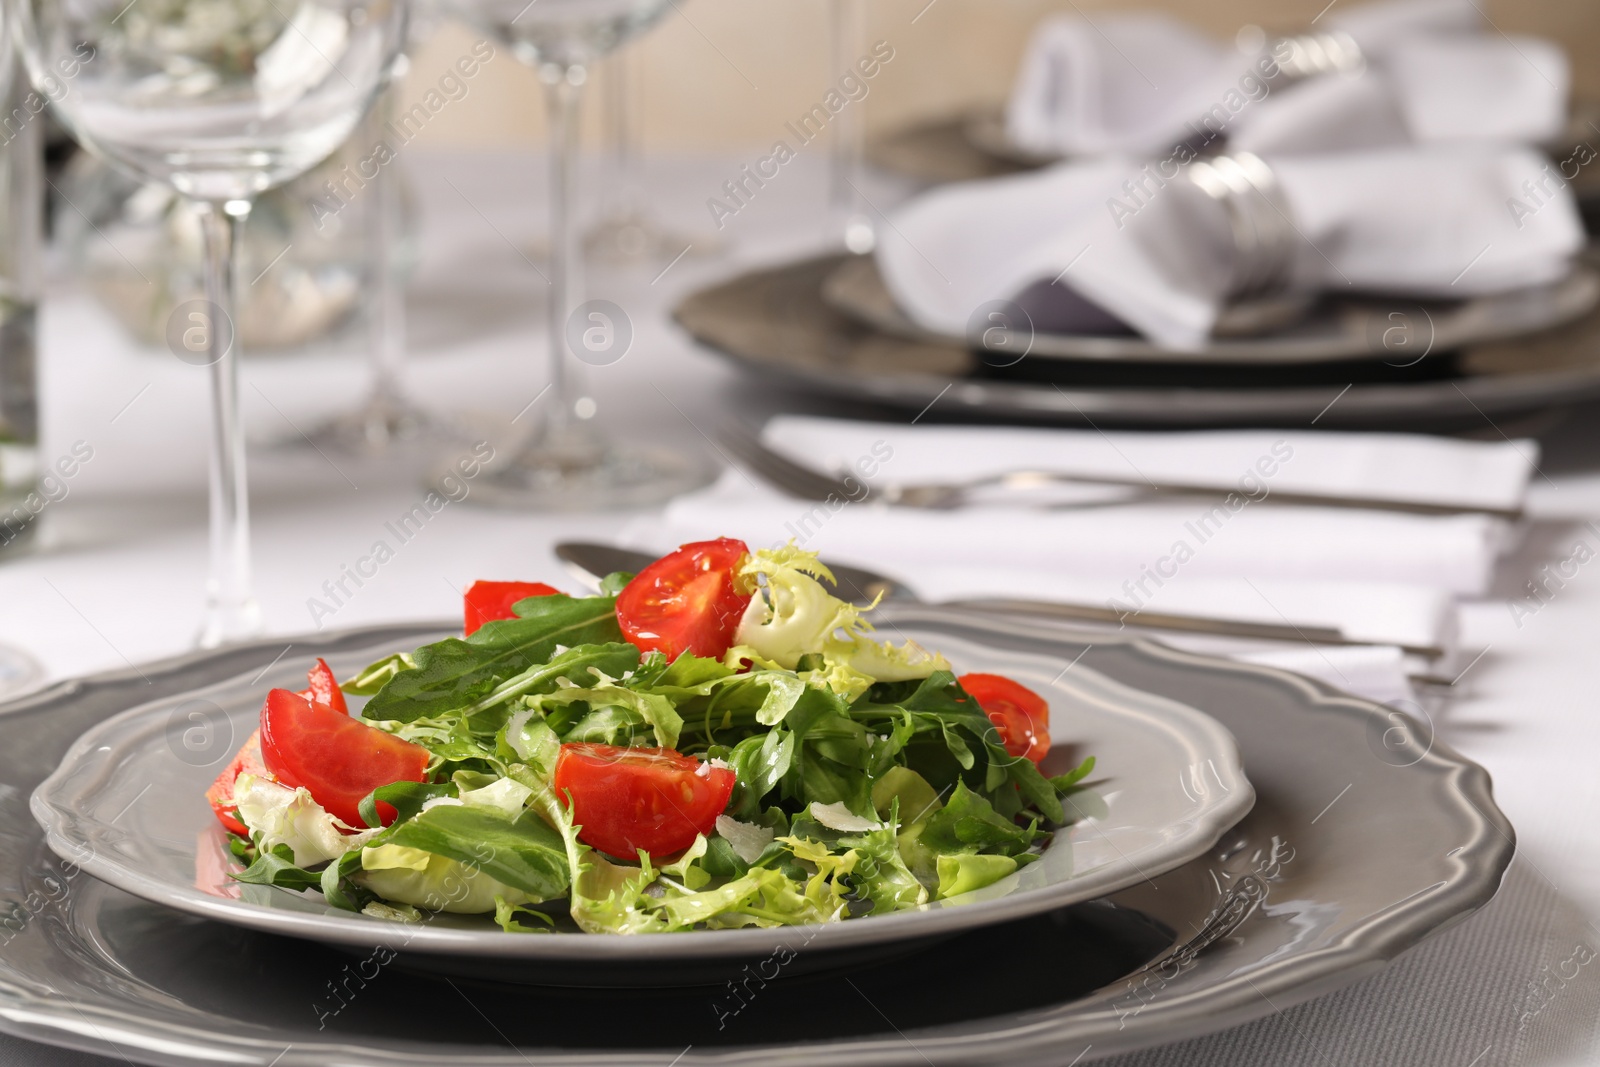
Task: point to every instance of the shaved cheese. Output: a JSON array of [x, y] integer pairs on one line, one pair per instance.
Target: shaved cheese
[[836, 816], [748, 839]]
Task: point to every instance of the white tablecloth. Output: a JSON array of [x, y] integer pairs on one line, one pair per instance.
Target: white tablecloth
[[118, 578]]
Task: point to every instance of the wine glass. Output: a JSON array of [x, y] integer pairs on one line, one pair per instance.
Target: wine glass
[[221, 100], [388, 418], [627, 231], [566, 464]]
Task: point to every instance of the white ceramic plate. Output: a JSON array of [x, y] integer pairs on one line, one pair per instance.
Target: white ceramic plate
[[126, 805]]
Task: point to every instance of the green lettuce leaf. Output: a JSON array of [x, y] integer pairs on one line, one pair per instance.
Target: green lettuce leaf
[[612, 713], [964, 872], [522, 852], [456, 673]]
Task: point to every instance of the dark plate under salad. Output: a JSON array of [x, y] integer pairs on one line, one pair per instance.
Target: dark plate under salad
[[716, 742]]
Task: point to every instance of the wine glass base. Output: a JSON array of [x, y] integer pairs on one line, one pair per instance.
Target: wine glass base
[[588, 477], [229, 623], [380, 428], [632, 238], [859, 236], [18, 671]]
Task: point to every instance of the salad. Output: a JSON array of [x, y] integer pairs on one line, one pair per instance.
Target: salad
[[716, 742]]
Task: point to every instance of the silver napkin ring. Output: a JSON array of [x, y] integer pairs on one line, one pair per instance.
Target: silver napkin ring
[[1309, 55], [1258, 217], [1305, 55]]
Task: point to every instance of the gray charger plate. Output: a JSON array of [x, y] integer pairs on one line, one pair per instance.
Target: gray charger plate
[[1381, 838], [1346, 329], [1168, 784], [775, 323]]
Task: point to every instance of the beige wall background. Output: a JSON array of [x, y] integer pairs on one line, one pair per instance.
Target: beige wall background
[[729, 73]]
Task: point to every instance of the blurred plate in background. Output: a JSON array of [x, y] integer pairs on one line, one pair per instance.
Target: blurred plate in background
[[776, 323]]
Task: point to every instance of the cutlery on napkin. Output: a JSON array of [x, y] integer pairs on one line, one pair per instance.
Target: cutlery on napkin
[[1048, 468], [1144, 82], [1388, 578], [1379, 672], [1151, 247]]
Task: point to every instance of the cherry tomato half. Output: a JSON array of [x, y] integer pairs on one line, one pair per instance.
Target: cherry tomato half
[[324, 688], [686, 601], [339, 759], [1020, 714], [246, 761], [488, 601], [632, 798]]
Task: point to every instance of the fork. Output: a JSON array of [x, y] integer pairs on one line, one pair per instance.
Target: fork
[[808, 483]]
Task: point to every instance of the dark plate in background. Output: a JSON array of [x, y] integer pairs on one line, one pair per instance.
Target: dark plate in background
[[775, 323]]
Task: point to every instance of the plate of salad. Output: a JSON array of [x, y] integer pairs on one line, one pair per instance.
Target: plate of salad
[[705, 761]]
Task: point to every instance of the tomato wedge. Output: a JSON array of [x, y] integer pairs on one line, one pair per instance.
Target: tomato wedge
[[488, 601], [324, 687], [339, 759], [686, 601], [631, 798], [246, 761], [1020, 714]]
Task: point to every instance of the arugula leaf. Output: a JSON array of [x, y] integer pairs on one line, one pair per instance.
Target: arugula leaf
[[406, 798], [759, 763], [626, 708], [586, 665], [615, 582], [1064, 782], [338, 887], [690, 670], [376, 675], [275, 866], [969, 823], [721, 861], [608, 726], [456, 673], [523, 853], [1037, 788]]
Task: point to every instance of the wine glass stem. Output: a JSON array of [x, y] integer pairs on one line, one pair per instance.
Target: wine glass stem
[[563, 88], [231, 610], [848, 18], [619, 116], [388, 295]]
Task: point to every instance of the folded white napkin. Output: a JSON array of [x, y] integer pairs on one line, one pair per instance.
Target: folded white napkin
[[1413, 468], [1380, 25], [1124, 83], [929, 558], [1377, 576], [1091, 87], [1150, 248]]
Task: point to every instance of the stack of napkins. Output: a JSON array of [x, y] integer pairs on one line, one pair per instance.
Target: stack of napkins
[[1383, 576]]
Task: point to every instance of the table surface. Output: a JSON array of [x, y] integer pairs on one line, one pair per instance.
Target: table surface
[[116, 577]]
